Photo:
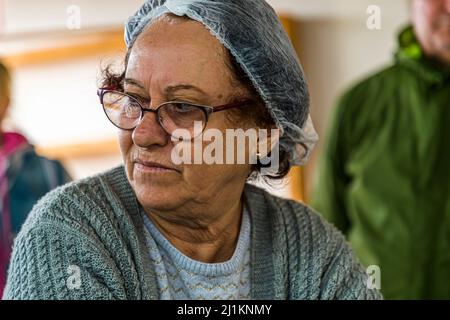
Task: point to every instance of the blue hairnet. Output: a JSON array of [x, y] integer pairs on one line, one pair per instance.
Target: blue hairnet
[[254, 35]]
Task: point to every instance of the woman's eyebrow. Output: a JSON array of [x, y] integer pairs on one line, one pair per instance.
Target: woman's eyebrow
[[133, 82], [170, 90]]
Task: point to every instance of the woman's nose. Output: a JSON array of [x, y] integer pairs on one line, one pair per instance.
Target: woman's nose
[[149, 132]]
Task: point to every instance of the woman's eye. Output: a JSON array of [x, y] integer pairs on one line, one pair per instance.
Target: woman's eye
[[132, 104], [183, 107], [138, 98]]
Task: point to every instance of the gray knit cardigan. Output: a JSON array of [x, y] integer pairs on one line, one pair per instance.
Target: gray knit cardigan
[[86, 240]]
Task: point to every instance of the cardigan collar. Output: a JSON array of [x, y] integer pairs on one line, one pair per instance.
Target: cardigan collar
[[262, 253]]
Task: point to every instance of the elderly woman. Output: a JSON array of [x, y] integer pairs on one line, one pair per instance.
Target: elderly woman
[[159, 229]]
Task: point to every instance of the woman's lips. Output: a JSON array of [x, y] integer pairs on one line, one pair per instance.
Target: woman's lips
[[152, 167]]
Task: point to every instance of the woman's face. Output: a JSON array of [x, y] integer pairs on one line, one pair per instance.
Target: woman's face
[[166, 55]]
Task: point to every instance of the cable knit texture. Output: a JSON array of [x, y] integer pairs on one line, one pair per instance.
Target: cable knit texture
[[86, 240]]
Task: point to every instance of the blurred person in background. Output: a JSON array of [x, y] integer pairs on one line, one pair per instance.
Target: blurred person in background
[[384, 177], [25, 177]]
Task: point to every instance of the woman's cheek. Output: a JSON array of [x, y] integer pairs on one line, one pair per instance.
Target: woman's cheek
[[126, 147], [125, 141]]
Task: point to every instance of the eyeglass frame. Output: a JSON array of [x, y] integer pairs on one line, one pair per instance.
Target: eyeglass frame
[[207, 110]]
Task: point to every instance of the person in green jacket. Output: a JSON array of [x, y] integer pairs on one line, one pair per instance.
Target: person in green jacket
[[384, 177]]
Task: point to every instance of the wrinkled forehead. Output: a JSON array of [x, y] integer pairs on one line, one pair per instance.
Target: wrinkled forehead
[[170, 31], [185, 42], [168, 53]]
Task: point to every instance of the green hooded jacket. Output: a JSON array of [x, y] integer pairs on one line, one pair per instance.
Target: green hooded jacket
[[384, 176]]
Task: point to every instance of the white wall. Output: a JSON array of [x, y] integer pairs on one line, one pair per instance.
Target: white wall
[[28, 16], [88, 166], [25, 16], [56, 103], [336, 9]]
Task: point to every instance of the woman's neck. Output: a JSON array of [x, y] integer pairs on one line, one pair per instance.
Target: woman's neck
[[211, 241]]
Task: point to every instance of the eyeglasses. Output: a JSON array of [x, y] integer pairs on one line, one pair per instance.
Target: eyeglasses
[[126, 112]]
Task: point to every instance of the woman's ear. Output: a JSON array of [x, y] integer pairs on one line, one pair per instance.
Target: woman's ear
[[267, 140]]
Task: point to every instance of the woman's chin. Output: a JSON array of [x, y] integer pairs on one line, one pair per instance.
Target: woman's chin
[[157, 197]]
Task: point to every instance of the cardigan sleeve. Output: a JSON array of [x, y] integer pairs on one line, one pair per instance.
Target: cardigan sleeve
[[53, 261], [343, 276]]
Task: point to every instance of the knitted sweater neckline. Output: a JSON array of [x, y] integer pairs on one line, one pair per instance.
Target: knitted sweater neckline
[[262, 256], [228, 267]]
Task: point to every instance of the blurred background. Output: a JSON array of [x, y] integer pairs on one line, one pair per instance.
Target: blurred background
[[55, 50]]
